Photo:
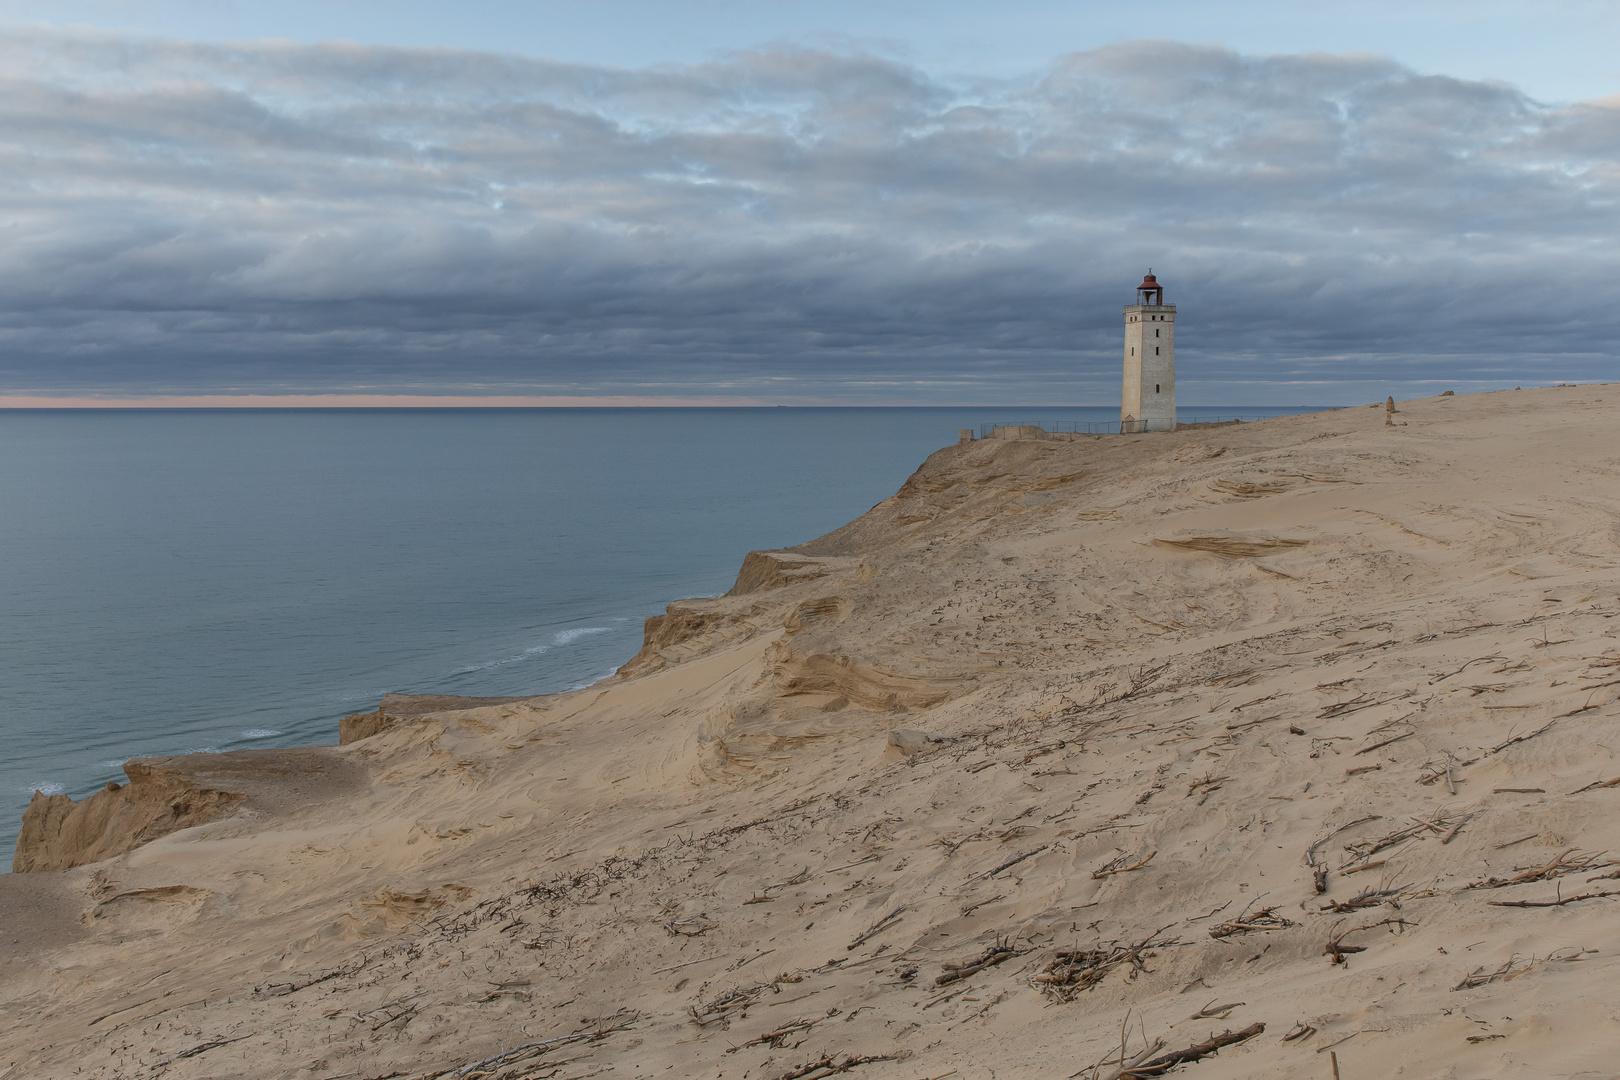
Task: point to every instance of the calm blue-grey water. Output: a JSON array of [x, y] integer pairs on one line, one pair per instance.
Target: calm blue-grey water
[[174, 581]]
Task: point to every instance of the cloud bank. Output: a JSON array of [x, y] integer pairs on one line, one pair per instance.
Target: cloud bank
[[787, 224]]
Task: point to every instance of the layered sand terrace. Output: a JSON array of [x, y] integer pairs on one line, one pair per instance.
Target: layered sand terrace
[[1305, 724]]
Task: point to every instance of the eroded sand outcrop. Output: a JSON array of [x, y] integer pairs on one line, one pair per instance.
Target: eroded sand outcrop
[[1298, 730], [165, 795]]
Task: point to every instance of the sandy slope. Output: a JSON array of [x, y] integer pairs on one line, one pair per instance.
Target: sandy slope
[[1221, 663]]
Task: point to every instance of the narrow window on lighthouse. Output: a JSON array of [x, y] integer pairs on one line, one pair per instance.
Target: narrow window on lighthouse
[[1155, 388], [1155, 350], [1155, 333]]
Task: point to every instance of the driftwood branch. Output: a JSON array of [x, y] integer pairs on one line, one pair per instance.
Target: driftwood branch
[[1074, 971], [1014, 861], [1000, 952], [1338, 950], [1499, 747], [1569, 861], [1515, 967], [1197, 1051], [203, 1048], [1366, 898], [1109, 869], [1559, 902], [300, 982], [1264, 919], [831, 1065], [876, 928], [1465, 667], [1386, 742], [601, 1029]]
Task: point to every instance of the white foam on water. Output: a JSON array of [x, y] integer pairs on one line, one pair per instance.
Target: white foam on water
[[260, 733], [202, 750], [45, 789], [114, 763], [534, 650], [560, 638], [568, 637], [362, 695], [612, 671]]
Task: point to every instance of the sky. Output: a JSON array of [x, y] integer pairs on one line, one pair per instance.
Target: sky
[[721, 201]]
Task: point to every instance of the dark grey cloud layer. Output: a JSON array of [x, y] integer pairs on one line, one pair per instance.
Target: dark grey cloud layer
[[787, 223]]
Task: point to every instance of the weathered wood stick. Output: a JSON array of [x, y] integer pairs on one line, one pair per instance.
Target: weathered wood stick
[[1125, 869], [967, 971], [204, 1048], [689, 963], [1554, 903], [1497, 749], [1014, 861], [848, 866], [1165, 1062], [1386, 742], [876, 928], [1465, 667], [1123, 1070]]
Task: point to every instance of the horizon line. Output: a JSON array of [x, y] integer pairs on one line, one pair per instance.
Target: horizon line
[[425, 401]]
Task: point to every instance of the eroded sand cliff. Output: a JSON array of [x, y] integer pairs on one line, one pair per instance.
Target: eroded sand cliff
[[1304, 724]]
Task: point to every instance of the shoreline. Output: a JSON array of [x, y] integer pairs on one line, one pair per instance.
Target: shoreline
[[1209, 700], [179, 692]]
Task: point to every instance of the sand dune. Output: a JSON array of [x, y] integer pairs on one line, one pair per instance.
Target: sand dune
[[1246, 747]]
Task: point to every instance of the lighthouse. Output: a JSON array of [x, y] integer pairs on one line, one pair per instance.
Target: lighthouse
[[1148, 398]]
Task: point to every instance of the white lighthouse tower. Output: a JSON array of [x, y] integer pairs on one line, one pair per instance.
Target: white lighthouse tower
[[1148, 400]]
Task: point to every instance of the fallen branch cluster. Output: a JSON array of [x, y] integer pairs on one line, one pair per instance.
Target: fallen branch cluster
[[1567, 862], [1074, 971], [1011, 832], [1355, 704], [1442, 824], [832, 1064], [720, 1010], [518, 1055], [1319, 869], [779, 1037], [1338, 950], [1515, 966], [1000, 952], [1264, 919], [300, 982], [1366, 898]]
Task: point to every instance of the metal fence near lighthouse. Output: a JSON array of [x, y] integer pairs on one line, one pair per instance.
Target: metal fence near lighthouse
[[1107, 427]]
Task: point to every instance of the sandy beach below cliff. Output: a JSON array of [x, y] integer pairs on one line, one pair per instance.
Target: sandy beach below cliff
[[1296, 736]]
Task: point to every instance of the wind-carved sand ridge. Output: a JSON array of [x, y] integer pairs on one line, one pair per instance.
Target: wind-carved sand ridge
[[1230, 751]]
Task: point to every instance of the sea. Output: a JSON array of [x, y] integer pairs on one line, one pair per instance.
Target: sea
[[197, 581]]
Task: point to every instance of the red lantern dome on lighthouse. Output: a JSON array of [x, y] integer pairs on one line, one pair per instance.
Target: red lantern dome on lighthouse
[[1150, 291]]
